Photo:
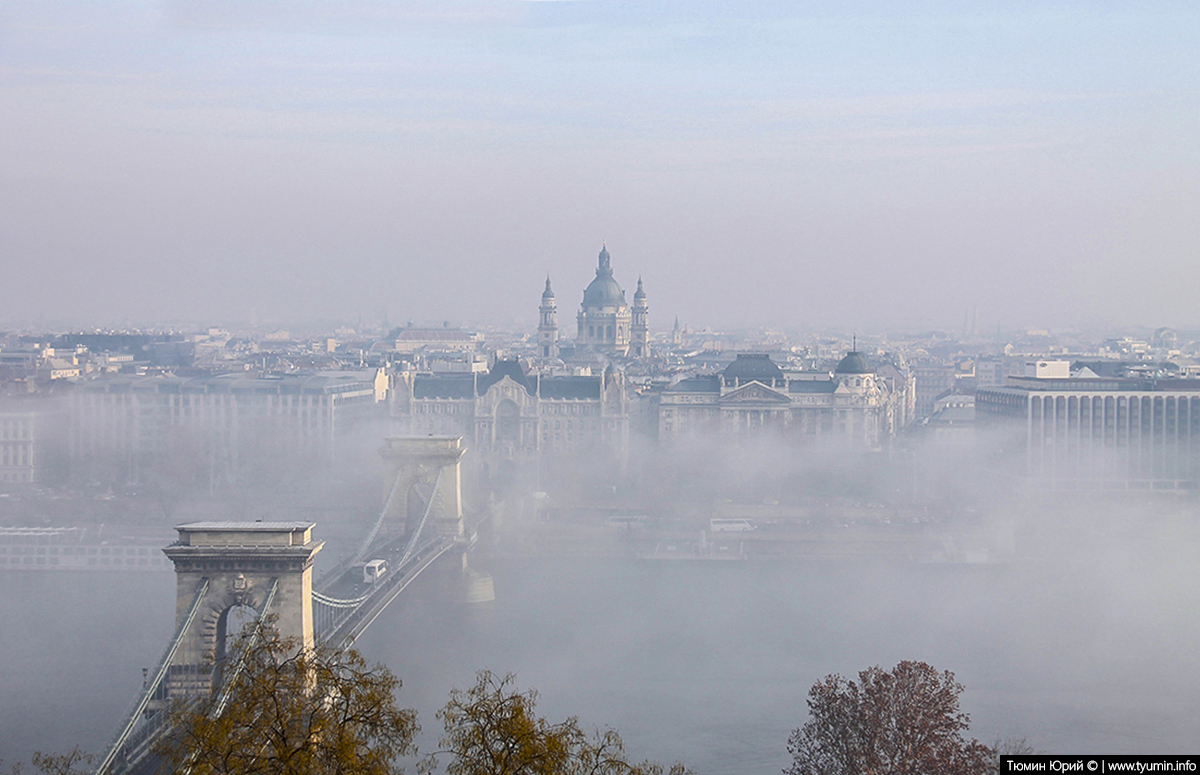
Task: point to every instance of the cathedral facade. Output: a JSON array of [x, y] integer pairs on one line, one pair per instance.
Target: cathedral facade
[[606, 322]]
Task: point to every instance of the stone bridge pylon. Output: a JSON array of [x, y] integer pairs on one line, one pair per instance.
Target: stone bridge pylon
[[246, 564], [427, 467]]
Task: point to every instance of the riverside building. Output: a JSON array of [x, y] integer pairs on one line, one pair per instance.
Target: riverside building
[[1087, 432]]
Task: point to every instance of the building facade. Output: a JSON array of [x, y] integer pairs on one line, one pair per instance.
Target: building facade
[[605, 321], [508, 414], [752, 394], [131, 421], [1104, 433], [18, 464]]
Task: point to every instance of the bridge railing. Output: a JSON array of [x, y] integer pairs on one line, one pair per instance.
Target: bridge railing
[[330, 613], [334, 574], [357, 619], [120, 742]]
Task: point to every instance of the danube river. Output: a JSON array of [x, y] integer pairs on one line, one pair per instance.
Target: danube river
[[707, 662]]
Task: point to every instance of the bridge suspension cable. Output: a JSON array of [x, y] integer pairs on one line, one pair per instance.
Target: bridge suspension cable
[[164, 664], [332, 612], [387, 507], [334, 602], [412, 542]]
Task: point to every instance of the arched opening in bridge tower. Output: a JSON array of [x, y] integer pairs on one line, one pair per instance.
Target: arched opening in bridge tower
[[230, 624]]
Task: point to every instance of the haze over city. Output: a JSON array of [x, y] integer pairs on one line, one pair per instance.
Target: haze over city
[[674, 357], [761, 164]]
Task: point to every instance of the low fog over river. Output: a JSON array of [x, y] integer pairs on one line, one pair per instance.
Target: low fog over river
[[1092, 651]]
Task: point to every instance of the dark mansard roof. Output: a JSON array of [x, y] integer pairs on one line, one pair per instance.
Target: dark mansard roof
[[708, 383], [570, 387], [465, 386], [854, 363], [444, 386], [751, 367], [507, 368]]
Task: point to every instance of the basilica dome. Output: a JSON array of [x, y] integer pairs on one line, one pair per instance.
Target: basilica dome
[[604, 291]]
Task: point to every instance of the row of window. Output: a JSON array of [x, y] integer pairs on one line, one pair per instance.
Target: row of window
[[142, 561], [103, 551], [546, 407], [15, 457], [606, 332], [16, 429]]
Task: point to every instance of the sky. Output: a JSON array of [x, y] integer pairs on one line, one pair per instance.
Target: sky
[[865, 166]]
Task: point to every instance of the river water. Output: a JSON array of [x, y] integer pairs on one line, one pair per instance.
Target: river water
[[704, 662]]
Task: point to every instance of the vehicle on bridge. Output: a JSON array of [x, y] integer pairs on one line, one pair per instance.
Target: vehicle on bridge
[[374, 570], [731, 525]]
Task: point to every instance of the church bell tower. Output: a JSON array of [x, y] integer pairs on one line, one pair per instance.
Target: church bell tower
[[548, 324], [639, 344]]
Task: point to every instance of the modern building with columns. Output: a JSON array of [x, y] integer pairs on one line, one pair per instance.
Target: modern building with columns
[[1074, 433]]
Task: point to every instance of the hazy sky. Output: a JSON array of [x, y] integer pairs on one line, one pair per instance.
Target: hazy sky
[[756, 163]]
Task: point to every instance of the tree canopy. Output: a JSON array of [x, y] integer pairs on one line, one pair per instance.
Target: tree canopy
[[493, 729], [294, 711], [900, 722]]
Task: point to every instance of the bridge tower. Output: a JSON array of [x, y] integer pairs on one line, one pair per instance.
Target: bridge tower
[[244, 564], [429, 463]]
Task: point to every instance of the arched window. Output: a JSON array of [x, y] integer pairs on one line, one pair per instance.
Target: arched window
[[610, 333]]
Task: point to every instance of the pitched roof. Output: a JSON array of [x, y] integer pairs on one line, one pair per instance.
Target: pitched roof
[[510, 368], [707, 383]]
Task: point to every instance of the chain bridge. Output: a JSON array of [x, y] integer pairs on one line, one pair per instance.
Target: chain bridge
[[227, 569]]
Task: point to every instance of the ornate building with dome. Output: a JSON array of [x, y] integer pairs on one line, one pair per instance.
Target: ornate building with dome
[[852, 403], [606, 322]]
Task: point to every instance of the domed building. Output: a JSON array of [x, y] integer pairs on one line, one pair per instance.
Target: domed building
[[852, 403], [605, 320]]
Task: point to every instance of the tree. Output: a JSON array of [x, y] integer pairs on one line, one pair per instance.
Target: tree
[[73, 762], [903, 722], [493, 729], [293, 711]]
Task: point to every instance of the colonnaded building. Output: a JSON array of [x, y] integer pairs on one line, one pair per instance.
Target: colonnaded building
[[130, 422], [1083, 432]]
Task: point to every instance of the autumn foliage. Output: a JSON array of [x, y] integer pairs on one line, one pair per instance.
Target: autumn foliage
[[900, 722], [293, 711], [493, 729]]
